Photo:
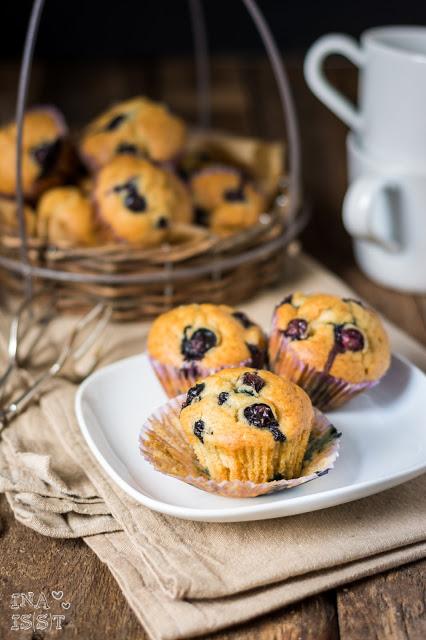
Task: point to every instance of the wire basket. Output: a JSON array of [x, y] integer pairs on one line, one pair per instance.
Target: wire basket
[[195, 266]]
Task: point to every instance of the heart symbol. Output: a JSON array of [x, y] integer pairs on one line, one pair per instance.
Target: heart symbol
[[65, 605], [57, 594]]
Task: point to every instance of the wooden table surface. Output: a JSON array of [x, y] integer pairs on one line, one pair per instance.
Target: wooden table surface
[[391, 606]]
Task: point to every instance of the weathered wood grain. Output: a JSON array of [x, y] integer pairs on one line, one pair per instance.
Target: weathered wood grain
[[31, 562], [391, 606], [312, 619]]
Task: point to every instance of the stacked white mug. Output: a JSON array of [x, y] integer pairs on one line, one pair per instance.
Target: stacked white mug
[[385, 206]]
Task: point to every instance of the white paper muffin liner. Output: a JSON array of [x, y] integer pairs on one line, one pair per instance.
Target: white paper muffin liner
[[163, 443]]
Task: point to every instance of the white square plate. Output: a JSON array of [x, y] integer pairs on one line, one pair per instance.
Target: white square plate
[[383, 444]]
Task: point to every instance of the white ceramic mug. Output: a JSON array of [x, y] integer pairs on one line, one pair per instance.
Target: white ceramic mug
[[385, 211], [391, 116]]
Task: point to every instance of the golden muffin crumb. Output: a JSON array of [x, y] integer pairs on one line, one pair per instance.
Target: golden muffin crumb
[[45, 156], [224, 200], [194, 340], [138, 127], [135, 200], [65, 217], [9, 217], [339, 336], [213, 335], [248, 424]]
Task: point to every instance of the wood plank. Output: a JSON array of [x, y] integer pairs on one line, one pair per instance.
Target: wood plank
[[391, 606], [31, 562], [312, 619]]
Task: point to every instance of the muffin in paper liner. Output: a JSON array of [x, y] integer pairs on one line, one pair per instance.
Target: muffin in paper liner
[[178, 380], [164, 444], [326, 391]]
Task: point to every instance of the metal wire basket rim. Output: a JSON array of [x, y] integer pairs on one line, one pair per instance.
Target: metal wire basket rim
[[169, 274]]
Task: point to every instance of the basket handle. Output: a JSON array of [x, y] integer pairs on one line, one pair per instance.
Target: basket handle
[[201, 50], [287, 104], [24, 77]]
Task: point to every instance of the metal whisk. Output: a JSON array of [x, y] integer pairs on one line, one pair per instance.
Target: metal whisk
[[30, 324]]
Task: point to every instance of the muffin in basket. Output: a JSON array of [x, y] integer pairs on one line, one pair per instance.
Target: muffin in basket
[[195, 340], [86, 184], [224, 200], [332, 347], [65, 217], [134, 199], [247, 424], [9, 223], [138, 127], [46, 159], [182, 210]]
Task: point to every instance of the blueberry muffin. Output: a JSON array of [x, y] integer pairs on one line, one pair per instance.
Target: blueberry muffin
[[182, 211], [333, 347], [224, 200], [137, 127], [46, 157], [86, 185], [65, 217], [9, 223], [134, 199], [192, 341], [247, 424]]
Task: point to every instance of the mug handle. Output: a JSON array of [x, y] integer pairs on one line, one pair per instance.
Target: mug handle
[[359, 211], [318, 83]]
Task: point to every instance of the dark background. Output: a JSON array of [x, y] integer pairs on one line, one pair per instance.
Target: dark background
[[129, 28]]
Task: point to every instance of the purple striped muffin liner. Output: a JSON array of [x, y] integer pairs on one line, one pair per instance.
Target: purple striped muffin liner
[[177, 380], [163, 444], [326, 391]]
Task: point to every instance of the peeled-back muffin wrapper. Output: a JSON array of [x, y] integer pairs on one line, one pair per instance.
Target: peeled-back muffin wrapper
[[325, 391], [164, 444], [177, 380]]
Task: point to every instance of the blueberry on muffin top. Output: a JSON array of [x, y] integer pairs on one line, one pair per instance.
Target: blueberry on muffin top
[[135, 200], [206, 335], [237, 405], [138, 127], [225, 200], [339, 336], [45, 157]]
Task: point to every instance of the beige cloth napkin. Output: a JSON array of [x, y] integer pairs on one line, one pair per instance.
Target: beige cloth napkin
[[182, 578]]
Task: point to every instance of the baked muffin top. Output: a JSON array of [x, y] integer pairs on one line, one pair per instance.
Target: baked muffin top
[[215, 185], [181, 201], [137, 127], [245, 406], [224, 200], [213, 335], [134, 198], [9, 222], [340, 336], [44, 130], [65, 216]]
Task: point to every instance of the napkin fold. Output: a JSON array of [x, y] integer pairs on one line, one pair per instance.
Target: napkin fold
[[184, 578]]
